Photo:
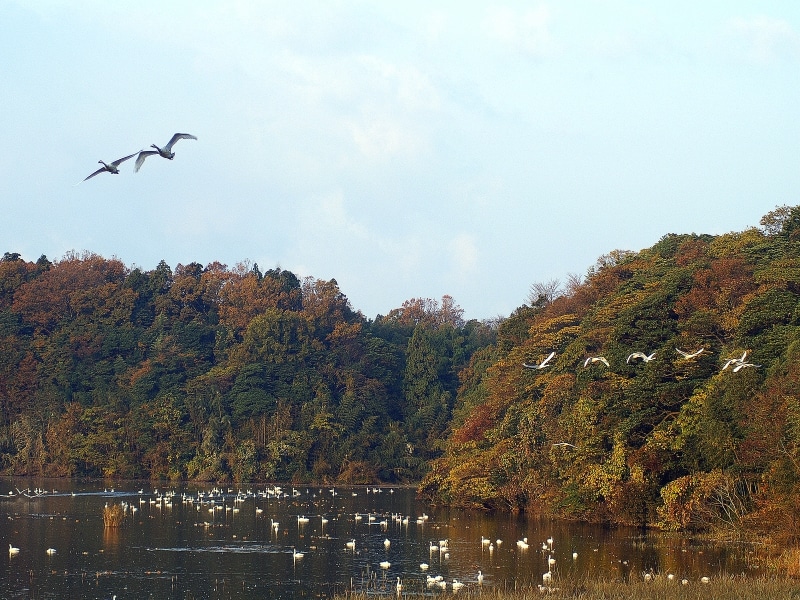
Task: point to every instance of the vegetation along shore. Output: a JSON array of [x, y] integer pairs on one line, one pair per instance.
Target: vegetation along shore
[[720, 588]]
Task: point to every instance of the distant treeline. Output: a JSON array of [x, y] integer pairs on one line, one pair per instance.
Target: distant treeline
[[675, 441], [217, 374]]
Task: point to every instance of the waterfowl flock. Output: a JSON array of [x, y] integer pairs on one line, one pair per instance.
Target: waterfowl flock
[[736, 364], [165, 152], [379, 540]]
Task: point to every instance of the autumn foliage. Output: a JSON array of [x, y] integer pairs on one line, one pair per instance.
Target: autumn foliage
[[674, 442], [218, 374]]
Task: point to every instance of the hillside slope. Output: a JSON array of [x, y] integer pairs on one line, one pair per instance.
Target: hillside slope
[[674, 441]]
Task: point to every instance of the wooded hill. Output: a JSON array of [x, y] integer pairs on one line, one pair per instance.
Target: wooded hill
[[219, 374], [674, 441]]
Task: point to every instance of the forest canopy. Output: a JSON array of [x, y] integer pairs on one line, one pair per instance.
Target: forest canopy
[[219, 374]]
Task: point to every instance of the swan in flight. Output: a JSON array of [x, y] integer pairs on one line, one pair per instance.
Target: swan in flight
[[743, 365], [735, 361], [542, 364], [594, 359], [112, 167], [166, 151], [689, 355], [641, 355]]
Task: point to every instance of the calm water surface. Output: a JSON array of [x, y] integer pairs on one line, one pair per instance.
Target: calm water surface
[[192, 542]]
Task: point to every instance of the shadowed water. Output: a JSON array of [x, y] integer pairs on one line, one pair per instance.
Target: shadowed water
[[245, 542]]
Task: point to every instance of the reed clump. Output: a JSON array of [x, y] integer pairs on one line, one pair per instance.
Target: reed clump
[[113, 515]]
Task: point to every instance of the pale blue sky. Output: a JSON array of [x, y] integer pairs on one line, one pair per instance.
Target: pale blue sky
[[406, 149]]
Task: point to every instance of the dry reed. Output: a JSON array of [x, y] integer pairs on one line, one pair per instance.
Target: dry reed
[[113, 515]]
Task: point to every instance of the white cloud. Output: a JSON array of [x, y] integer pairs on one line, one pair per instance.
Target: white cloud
[[382, 138], [527, 31], [331, 237], [763, 39], [464, 254]]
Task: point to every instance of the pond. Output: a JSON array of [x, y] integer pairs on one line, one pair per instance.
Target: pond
[[258, 541]]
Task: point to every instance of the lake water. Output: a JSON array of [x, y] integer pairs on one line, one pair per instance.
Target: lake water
[[191, 542]]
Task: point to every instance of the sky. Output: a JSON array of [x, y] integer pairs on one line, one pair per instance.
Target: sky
[[406, 149]]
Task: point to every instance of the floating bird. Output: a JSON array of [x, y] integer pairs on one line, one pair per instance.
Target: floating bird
[[385, 564], [480, 578], [542, 364], [12, 550], [166, 151], [51, 551], [423, 566], [112, 167], [399, 586], [689, 355], [641, 355], [594, 359]]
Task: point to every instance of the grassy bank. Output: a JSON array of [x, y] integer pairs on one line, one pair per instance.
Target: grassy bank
[[718, 588]]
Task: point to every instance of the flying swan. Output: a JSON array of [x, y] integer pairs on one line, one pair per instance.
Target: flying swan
[[641, 355], [542, 364], [112, 167], [594, 359], [166, 151], [689, 355]]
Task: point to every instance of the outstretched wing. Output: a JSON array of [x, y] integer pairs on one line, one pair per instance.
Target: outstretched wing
[[100, 170], [176, 137], [547, 360], [119, 161], [140, 159]]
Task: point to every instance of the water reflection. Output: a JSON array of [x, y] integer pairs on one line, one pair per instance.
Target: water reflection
[[254, 542]]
